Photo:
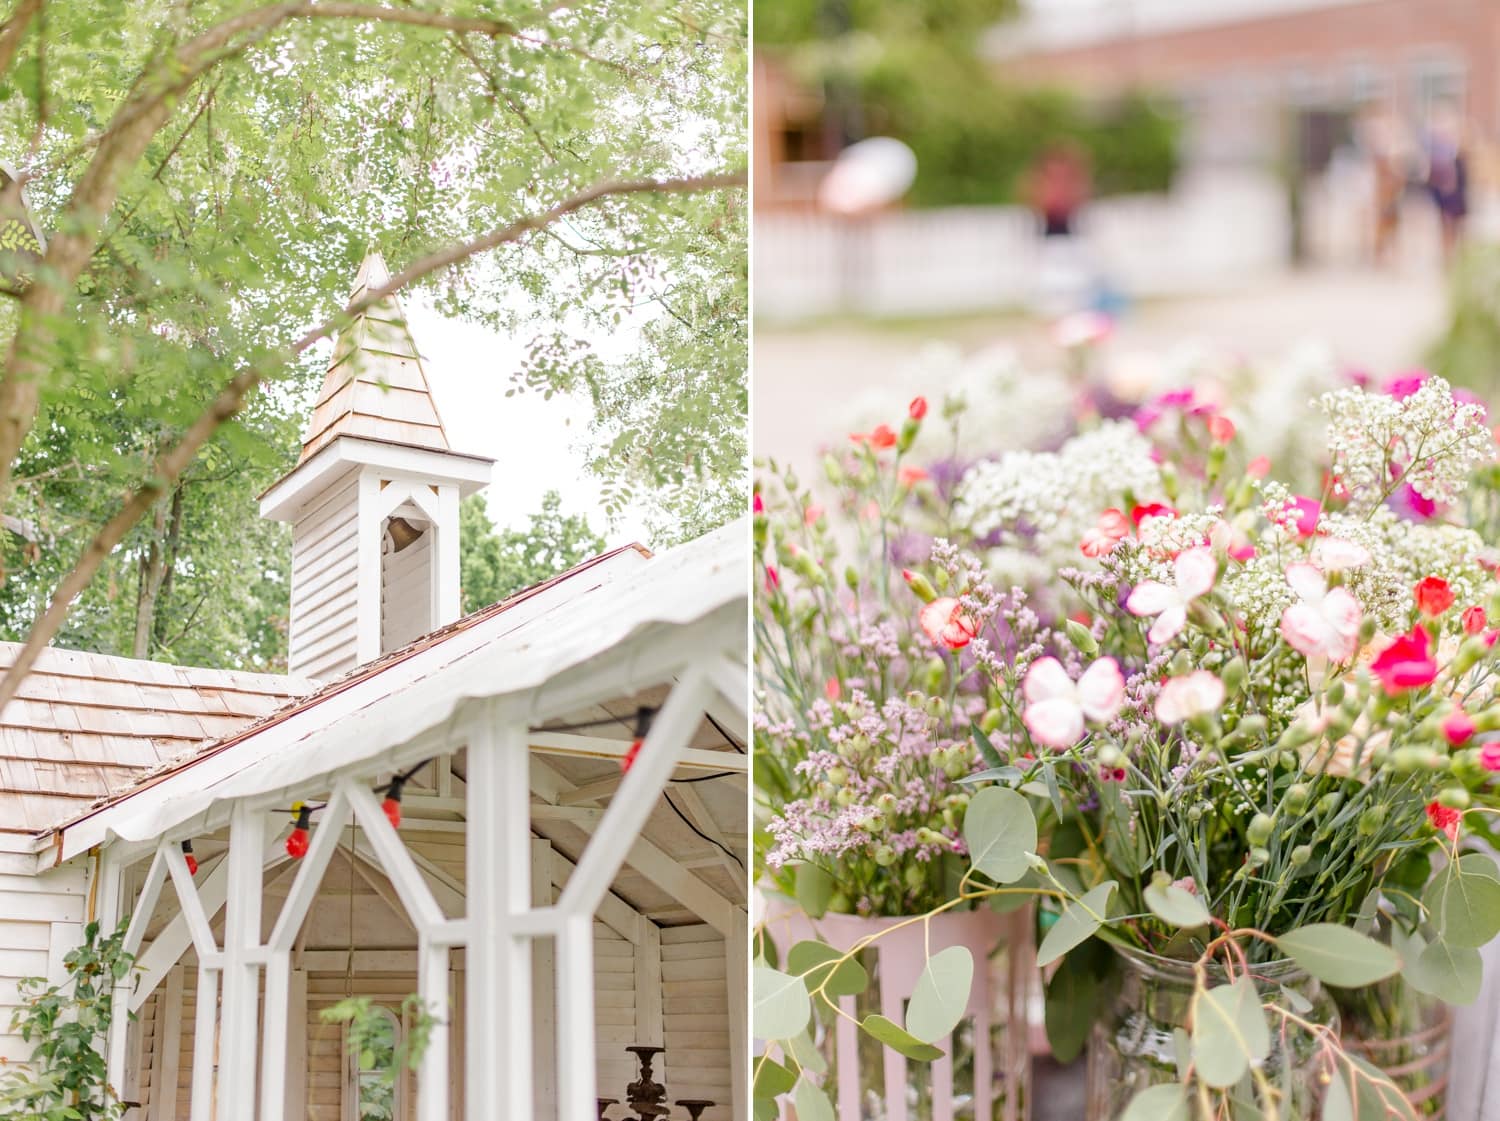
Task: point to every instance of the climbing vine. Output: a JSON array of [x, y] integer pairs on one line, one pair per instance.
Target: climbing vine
[[67, 1025]]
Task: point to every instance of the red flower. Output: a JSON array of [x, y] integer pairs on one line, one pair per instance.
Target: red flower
[[1258, 468], [757, 505], [1458, 728], [1407, 663], [918, 408], [1221, 428], [910, 475], [884, 436], [945, 623], [1433, 596], [1150, 510], [832, 689], [812, 515], [1305, 513], [1444, 819], [1112, 528], [1474, 620], [773, 580]]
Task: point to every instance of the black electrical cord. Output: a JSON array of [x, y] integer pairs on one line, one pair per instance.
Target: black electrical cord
[[686, 821], [730, 740]]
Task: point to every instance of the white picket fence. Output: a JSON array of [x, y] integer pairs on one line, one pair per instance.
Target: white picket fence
[[1214, 232]]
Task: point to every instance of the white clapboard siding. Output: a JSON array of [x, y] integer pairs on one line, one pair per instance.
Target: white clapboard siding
[[43, 920], [695, 1016], [406, 593], [324, 592]]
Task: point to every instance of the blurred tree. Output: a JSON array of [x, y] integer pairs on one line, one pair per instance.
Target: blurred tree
[[496, 565], [915, 70], [208, 176]]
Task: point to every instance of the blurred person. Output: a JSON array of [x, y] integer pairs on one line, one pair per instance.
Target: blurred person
[[1056, 188], [1448, 175], [1385, 144]]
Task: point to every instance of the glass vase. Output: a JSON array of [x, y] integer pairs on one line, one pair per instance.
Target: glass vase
[[1405, 1033], [1133, 1044]]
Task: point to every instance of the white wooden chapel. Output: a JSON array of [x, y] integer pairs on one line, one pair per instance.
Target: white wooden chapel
[[550, 906]]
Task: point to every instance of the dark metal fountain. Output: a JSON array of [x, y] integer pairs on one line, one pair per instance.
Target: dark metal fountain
[[646, 1098]]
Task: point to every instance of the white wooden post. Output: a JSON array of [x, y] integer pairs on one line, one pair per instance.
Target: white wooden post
[[497, 1058], [445, 560], [168, 1050], [543, 993], [241, 971], [432, 989], [296, 1047], [367, 571], [737, 985], [205, 1034], [577, 1074]]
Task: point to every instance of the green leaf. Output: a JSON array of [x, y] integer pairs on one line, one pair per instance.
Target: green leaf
[[814, 890], [1229, 1033], [899, 1040], [811, 1102], [1078, 922], [993, 774], [1337, 1104], [808, 1057], [1074, 992], [782, 1006], [1375, 1095], [771, 1078], [1464, 901], [811, 960], [1451, 973], [987, 750], [1166, 1102], [941, 994], [1337, 955], [1175, 906], [1000, 831]]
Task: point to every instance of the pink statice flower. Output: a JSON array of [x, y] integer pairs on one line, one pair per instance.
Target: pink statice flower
[[1057, 706], [1194, 571], [1324, 622]]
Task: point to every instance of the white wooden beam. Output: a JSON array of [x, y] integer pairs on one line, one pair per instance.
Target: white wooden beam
[[546, 867], [498, 876], [313, 866], [394, 859], [240, 1013], [577, 1074], [599, 747], [205, 1054], [432, 990], [731, 682], [296, 1047], [736, 985]]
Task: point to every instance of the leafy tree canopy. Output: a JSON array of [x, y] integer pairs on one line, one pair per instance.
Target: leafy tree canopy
[[208, 176], [497, 565]]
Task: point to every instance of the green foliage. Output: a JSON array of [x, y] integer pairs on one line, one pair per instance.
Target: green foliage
[[496, 565], [370, 1033], [1468, 351], [913, 71], [66, 1025], [304, 144]]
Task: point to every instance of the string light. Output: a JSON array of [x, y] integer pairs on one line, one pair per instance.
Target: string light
[[192, 861], [296, 841], [643, 717], [392, 803]]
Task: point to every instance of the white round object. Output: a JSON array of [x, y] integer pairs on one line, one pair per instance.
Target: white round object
[[867, 176]]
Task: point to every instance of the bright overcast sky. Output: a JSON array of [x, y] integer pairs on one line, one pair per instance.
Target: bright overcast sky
[[535, 443]]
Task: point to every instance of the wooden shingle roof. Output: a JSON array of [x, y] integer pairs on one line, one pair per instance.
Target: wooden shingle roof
[[375, 386], [85, 726]]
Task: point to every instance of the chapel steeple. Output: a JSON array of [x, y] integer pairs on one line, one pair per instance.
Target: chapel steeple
[[373, 500]]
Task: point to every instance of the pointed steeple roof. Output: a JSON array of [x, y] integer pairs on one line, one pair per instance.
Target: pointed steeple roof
[[375, 386]]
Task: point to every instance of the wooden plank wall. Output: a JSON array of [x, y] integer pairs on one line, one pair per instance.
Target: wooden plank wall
[[324, 600], [41, 920], [695, 1016], [406, 593]]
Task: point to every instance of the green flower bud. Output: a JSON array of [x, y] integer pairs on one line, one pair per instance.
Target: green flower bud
[[1454, 797], [851, 578], [1182, 665], [1195, 814], [1329, 804], [937, 708], [886, 801], [915, 877], [885, 856], [1405, 760], [1234, 674], [1259, 857], [1081, 637], [1036, 863], [1296, 797], [1109, 756], [833, 471], [846, 796], [908, 434], [1261, 828], [990, 720], [838, 775], [841, 904], [1334, 694], [1251, 728], [933, 674], [920, 586], [1301, 855], [1371, 820]]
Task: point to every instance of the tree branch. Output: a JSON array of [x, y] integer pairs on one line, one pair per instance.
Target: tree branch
[[13, 30], [171, 464]]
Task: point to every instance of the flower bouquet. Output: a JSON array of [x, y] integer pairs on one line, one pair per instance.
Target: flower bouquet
[[1234, 744]]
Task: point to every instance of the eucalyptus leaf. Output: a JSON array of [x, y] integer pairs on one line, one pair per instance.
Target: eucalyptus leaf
[[899, 1040], [1175, 906], [782, 1006], [1337, 1104], [814, 890], [1000, 832], [811, 1102], [1078, 922], [941, 994], [813, 961], [1166, 1102], [772, 1079], [1453, 974], [808, 1057], [1464, 901], [1375, 1095], [1338, 955], [1229, 1033]]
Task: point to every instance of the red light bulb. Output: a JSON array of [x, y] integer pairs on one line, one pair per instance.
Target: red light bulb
[[192, 861], [628, 760], [392, 803], [296, 841]]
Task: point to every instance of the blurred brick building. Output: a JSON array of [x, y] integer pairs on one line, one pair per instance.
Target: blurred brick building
[[1262, 80]]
